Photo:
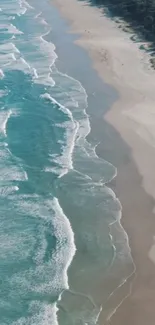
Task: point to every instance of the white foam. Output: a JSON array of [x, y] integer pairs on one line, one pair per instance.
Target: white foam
[[10, 166], [46, 57], [25, 62], [78, 93], [43, 78], [1, 74], [14, 30], [43, 314], [4, 116], [55, 278], [25, 176], [22, 11], [19, 64], [10, 29], [54, 101], [6, 59], [64, 161], [40, 60], [3, 93], [10, 7], [7, 189], [38, 15], [8, 47], [27, 4], [11, 18], [9, 171], [35, 74], [44, 22], [62, 229], [13, 56]]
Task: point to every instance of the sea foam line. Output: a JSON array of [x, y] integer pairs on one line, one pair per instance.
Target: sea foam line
[[1, 74], [4, 122], [93, 150], [27, 4], [62, 107], [86, 131], [38, 15], [24, 5], [47, 49], [71, 138], [63, 222]]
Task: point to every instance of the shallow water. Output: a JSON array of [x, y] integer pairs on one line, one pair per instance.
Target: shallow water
[[56, 210]]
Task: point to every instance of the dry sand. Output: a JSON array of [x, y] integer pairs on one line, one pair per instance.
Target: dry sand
[[120, 63]]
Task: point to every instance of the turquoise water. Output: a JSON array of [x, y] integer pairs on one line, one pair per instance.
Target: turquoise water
[[55, 210]]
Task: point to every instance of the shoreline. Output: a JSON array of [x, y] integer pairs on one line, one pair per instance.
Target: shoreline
[[112, 57]]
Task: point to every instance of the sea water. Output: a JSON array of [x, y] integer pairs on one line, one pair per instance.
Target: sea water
[[56, 212]]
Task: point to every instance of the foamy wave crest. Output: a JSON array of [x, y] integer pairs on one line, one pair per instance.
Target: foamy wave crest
[[44, 22], [7, 56], [46, 221], [34, 73], [11, 59], [7, 59], [24, 5], [22, 11], [19, 64], [44, 314], [45, 61], [76, 100], [41, 20], [61, 107], [3, 93], [4, 116], [50, 211], [62, 229], [8, 47], [78, 96], [41, 56], [38, 15], [14, 7], [10, 170], [64, 161], [1, 74], [7, 189], [10, 29]]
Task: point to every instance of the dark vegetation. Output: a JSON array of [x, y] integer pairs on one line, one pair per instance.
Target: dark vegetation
[[139, 14]]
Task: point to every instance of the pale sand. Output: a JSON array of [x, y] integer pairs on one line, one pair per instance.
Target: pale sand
[[120, 63]]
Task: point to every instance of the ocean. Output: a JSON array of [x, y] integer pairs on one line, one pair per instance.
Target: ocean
[[63, 250]]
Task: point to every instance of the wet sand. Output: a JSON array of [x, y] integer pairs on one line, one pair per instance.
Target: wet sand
[[120, 63]]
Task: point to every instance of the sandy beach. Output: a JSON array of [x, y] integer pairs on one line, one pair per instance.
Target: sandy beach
[[120, 63]]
